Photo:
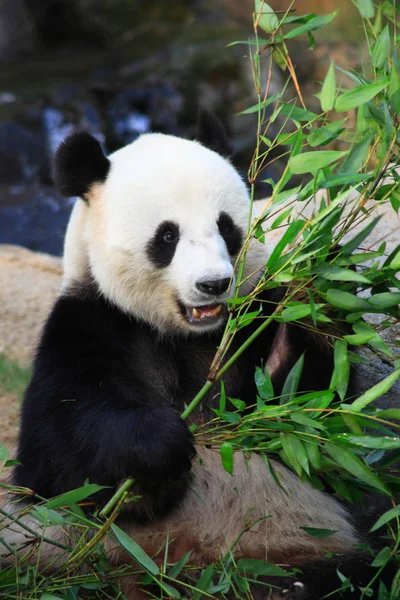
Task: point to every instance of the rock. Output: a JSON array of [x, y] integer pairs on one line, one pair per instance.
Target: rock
[[35, 218], [29, 284]]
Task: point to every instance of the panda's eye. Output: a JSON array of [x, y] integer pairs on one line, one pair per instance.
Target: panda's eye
[[169, 237], [225, 228]]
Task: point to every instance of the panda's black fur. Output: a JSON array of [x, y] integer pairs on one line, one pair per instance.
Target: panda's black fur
[[135, 385], [107, 391]]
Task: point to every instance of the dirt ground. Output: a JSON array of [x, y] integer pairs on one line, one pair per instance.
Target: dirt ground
[[9, 419]]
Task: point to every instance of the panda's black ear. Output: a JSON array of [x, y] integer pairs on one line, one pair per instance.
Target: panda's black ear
[[211, 133], [78, 164]]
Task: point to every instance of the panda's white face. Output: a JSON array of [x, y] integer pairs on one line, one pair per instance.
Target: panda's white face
[[163, 232]]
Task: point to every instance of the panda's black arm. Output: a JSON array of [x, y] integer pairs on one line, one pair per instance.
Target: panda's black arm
[[87, 414]]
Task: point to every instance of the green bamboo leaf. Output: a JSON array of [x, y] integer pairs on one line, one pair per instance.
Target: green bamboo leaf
[[350, 179], [260, 106], [296, 452], [268, 21], [359, 238], [326, 134], [74, 496], [316, 532], [293, 313], [382, 558], [393, 513], [353, 465], [359, 95], [313, 454], [311, 25], [309, 162], [341, 371], [178, 566], [264, 384], [385, 300], [385, 442], [380, 52], [328, 92], [289, 236], [292, 381], [389, 413], [226, 452], [302, 419], [296, 113], [204, 581], [333, 273], [357, 157], [135, 550], [254, 566], [394, 88], [375, 392], [347, 301], [366, 8]]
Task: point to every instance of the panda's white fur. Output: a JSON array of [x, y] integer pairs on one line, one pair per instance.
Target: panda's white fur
[[175, 180], [161, 178]]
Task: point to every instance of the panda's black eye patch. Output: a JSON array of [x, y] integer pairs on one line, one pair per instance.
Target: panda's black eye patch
[[231, 233], [161, 248]]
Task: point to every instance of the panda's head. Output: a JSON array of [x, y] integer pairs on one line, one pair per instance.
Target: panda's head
[[158, 226]]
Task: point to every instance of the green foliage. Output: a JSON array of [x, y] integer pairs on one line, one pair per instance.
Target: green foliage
[[327, 438], [13, 377]]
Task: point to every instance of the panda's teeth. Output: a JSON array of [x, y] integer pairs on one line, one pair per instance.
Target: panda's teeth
[[196, 313]]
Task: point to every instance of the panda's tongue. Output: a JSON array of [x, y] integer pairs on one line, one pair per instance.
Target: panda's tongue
[[205, 312]]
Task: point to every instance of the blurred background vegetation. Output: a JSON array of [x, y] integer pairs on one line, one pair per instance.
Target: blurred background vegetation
[[119, 68]]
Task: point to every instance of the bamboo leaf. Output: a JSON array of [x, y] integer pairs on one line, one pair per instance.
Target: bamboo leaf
[[254, 566], [264, 384], [333, 273], [375, 392], [352, 464], [309, 162], [74, 496], [382, 558], [289, 236], [302, 419], [226, 452], [385, 300], [135, 550], [380, 52], [347, 301], [368, 441], [311, 25], [296, 113], [341, 371], [268, 21], [393, 513], [359, 238], [366, 8], [359, 95], [327, 133], [328, 92], [260, 106], [357, 157], [295, 451], [292, 381], [316, 532]]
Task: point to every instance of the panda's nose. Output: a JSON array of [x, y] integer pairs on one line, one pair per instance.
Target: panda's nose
[[213, 287]]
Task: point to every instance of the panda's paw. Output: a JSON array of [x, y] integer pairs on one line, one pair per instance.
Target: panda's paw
[[169, 448]]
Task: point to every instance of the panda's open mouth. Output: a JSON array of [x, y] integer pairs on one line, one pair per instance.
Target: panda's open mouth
[[199, 315]]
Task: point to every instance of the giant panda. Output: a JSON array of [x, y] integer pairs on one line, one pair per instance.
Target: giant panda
[[149, 266]]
